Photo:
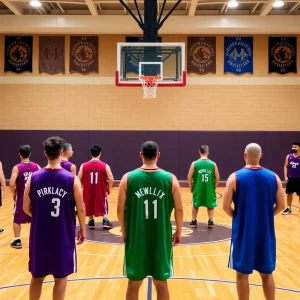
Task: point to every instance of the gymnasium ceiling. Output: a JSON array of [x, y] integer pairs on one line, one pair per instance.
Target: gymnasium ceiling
[[114, 7]]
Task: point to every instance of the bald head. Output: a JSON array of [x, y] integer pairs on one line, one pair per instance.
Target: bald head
[[253, 153]]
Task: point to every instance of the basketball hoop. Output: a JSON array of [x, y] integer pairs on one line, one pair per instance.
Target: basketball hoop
[[150, 84]]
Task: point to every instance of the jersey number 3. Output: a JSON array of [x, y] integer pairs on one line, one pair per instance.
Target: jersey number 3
[[56, 211], [147, 209]]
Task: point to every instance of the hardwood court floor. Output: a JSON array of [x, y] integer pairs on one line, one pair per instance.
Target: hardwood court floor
[[200, 270]]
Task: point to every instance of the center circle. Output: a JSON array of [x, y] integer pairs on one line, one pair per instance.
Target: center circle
[[190, 236]]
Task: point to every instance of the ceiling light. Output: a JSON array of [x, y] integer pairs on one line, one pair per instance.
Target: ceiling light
[[35, 3], [278, 3], [232, 4]]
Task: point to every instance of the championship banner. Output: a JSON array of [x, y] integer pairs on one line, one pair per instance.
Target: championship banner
[[282, 55], [132, 61], [18, 54], [238, 55], [201, 55], [84, 54], [51, 54]]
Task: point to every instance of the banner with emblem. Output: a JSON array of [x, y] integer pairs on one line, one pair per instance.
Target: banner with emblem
[[84, 54], [52, 54], [238, 55], [132, 60], [201, 55], [18, 54], [282, 55]]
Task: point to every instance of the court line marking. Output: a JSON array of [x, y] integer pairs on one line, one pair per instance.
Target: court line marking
[[149, 289], [172, 278], [122, 255]]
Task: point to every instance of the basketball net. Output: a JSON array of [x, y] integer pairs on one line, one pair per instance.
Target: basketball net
[[149, 84]]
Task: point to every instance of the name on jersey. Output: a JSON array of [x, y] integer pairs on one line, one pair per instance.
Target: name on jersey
[[51, 191], [205, 171], [26, 175], [294, 164], [149, 191]]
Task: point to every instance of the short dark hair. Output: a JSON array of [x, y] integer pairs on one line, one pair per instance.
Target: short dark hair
[[25, 151], [66, 146], [296, 144], [53, 146], [95, 150], [204, 149], [149, 150]]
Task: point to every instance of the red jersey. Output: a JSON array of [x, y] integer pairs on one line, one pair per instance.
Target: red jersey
[[95, 186]]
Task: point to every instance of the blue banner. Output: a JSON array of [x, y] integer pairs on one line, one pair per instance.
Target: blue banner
[[18, 54], [133, 59], [238, 55]]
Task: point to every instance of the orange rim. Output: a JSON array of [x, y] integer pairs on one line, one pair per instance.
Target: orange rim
[[150, 78]]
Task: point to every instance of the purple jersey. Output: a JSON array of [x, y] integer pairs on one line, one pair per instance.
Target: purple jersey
[[52, 234], [293, 166], [25, 170], [66, 165]]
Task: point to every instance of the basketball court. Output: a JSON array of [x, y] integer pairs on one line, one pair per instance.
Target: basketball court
[[142, 91]]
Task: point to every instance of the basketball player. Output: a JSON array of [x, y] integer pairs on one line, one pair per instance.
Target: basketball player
[[97, 181], [50, 198], [203, 179], [19, 175], [291, 172], [67, 154], [2, 189], [257, 196], [147, 197]]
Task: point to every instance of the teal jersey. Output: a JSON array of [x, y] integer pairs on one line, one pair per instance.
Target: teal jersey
[[204, 192], [148, 245]]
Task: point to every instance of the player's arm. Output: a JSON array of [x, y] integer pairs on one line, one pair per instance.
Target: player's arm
[[80, 207], [178, 210], [73, 169], [228, 195], [27, 202], [285, 168], [110, 178], [190, 176], [80, 174], [121, 205], [217, 176], [12, 181], [39, 167], [2, 179], [279, 197]]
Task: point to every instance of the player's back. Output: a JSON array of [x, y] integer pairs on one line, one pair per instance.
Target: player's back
[[204, 179], [253, 220], [66, 165], [52, 231], [149, 205], [25, 170], [94, 179]]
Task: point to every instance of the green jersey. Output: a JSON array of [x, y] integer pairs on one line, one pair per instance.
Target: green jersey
[[148, 245], [204, 192]]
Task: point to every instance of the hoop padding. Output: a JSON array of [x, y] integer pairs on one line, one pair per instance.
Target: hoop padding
[[149, 84]]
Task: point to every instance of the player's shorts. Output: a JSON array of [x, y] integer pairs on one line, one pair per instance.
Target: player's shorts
[[208, 203], [20, 217], [293, 186]]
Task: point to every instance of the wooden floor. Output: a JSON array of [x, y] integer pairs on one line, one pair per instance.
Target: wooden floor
[[200, 270]]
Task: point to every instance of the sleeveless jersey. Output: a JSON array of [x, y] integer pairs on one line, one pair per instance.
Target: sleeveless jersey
[[95, 188], [148, 246], [293, 166], [52, 232], [253, 243], [204, 192], [66, 165], [25, 170]]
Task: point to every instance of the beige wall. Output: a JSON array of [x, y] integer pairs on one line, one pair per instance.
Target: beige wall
[[228, 106]]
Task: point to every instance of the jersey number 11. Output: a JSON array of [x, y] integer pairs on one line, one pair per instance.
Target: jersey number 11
[[147, 209]]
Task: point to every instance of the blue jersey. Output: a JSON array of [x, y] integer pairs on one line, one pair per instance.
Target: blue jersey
[[253, 243], [52, 232]]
